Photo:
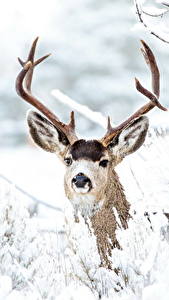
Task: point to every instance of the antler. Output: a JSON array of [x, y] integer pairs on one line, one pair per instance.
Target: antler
[[155, 76], [23, 88]]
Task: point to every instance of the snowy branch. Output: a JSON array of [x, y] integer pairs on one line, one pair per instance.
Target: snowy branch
[[94, 116], [38, 201], [166, 3], [142, 13], [156, 15]]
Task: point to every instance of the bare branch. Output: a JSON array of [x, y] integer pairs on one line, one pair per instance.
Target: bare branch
[[165, 3], [38, 201], [156, 15], [140, 12]]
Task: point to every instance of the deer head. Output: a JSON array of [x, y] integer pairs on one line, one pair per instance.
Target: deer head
[[89, 164]]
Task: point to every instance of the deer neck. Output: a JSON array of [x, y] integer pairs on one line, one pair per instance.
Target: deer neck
[[114, 213], [115, 199]]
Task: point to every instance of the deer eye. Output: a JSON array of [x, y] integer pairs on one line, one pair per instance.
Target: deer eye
[[68, 161], [103, 163]]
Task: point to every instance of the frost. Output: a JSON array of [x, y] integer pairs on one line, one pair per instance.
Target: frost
[[5, 286]]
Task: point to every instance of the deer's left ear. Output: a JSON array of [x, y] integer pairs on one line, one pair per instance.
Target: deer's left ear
[[131, 138]]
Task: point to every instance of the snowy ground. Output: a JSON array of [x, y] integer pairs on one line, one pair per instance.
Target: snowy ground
[[46, 255]]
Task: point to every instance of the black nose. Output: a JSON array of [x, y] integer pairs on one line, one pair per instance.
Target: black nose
[[80, 180]]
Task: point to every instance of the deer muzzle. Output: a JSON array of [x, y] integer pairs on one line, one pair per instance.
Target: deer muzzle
[[81, 183]]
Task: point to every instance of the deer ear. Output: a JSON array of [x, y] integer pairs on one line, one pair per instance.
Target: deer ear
[[131, 138], [45, 134]]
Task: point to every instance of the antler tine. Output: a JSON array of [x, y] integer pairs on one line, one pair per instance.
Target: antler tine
[[28, 77], [25, 76], [151, 62], [154, 101], [155, 77]]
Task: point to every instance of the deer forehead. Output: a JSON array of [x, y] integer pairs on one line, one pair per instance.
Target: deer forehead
[[91, 150]]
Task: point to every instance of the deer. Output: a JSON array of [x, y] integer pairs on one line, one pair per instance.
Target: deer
[[91, 183]]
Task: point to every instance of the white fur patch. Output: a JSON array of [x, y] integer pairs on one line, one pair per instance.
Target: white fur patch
[[81, 190], [85, 204]]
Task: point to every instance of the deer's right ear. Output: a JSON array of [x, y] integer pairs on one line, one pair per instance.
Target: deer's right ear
[[45, 134]]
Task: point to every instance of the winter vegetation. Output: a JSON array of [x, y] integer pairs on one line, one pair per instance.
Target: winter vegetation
[[44, 253], [47, 255]]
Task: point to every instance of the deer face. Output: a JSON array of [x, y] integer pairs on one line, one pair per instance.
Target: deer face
[[86, 177], [88, 163]]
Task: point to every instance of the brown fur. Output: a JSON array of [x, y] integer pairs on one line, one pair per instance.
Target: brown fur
[[104, 222], [92, 150]]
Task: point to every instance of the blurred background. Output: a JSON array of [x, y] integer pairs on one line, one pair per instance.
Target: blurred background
[[95, 56]]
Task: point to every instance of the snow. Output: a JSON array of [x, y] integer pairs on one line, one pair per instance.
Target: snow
[[44, 254], [47, 256]]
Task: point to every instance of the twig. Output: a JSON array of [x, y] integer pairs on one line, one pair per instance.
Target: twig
[[136, 181], [156, 15], [165, 3], [30, 196], [139, 12]]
